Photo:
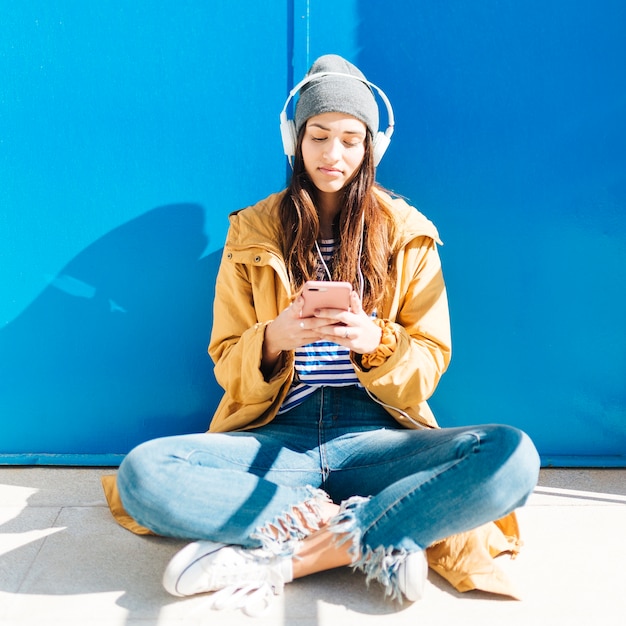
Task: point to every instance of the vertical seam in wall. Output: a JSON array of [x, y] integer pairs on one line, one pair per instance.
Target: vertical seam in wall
[[300, 37], [298, 48], [290, 43], [308, 33]]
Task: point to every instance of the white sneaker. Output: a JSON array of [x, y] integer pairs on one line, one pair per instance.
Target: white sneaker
[[412, 574], [246, 576]]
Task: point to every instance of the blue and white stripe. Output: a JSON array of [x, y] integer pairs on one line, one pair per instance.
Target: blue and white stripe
[[323, 363]]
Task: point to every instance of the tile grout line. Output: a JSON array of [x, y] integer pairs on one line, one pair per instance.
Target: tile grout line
[[43, 543]]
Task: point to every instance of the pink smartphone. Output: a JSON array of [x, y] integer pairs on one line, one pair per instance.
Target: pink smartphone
[[325, 294]]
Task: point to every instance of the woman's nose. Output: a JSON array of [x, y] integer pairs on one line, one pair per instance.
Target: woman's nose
[[332, 151]]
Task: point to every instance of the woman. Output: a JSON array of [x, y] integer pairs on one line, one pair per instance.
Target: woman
[[323, 451]]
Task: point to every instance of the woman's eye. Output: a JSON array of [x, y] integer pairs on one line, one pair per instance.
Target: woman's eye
[[318, 138]]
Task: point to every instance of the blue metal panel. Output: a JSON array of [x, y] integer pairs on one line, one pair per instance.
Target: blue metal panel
[[511, 135], [128, 133]]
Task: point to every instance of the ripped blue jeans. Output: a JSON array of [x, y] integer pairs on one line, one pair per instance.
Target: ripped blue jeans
[[414, 487]]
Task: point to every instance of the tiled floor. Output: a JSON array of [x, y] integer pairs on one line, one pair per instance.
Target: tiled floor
[[63, 560]]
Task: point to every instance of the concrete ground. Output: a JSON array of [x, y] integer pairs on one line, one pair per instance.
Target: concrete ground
[[63, 560]]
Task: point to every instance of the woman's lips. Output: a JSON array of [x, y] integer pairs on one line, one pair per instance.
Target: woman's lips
[[330, 171]]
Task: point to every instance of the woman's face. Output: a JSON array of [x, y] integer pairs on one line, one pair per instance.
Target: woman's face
[[333, 147]]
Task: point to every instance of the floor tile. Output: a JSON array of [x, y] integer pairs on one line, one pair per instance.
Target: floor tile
[[22, 534], [52, 486]]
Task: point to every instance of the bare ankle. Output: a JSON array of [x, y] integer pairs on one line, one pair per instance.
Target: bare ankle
[[320, 551]]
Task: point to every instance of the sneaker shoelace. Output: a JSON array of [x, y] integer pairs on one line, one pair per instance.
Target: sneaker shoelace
[[249, 586], [247, 567], [253, 598]]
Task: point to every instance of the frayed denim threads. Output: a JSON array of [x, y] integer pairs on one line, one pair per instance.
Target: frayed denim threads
[[279, 537], [380, 564]]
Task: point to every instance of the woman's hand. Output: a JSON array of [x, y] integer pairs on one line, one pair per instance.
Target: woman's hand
[[288, 332], [353, 329]]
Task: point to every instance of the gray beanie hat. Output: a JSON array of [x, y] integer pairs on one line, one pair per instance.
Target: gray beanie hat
[[341, 94]]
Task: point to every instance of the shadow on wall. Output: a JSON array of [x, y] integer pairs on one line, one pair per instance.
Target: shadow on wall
[[114, 350]]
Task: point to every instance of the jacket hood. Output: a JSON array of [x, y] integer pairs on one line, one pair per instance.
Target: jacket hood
[[258, 223]]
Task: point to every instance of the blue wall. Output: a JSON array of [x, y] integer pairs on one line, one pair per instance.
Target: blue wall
[[128, 132], [515, 117], [127, 135]]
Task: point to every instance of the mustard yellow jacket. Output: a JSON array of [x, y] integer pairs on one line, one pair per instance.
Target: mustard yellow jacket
[[252, 289]]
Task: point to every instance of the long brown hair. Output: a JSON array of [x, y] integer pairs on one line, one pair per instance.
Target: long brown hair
[[301, 228]]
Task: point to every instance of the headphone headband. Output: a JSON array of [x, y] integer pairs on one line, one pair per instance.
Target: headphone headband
[[288, 127]]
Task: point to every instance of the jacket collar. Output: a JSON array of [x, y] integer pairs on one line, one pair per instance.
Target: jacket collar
[[258, 226]]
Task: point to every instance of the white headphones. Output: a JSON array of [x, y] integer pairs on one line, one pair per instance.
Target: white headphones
[[288, 127]]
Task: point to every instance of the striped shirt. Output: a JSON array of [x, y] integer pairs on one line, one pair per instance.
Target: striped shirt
[[323, 363]]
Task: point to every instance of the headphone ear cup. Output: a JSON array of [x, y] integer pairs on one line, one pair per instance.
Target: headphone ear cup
[[288, 134], [379, 146]]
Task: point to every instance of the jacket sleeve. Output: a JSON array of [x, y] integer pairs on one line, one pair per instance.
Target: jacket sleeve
[[236, 343], [419, 313]]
